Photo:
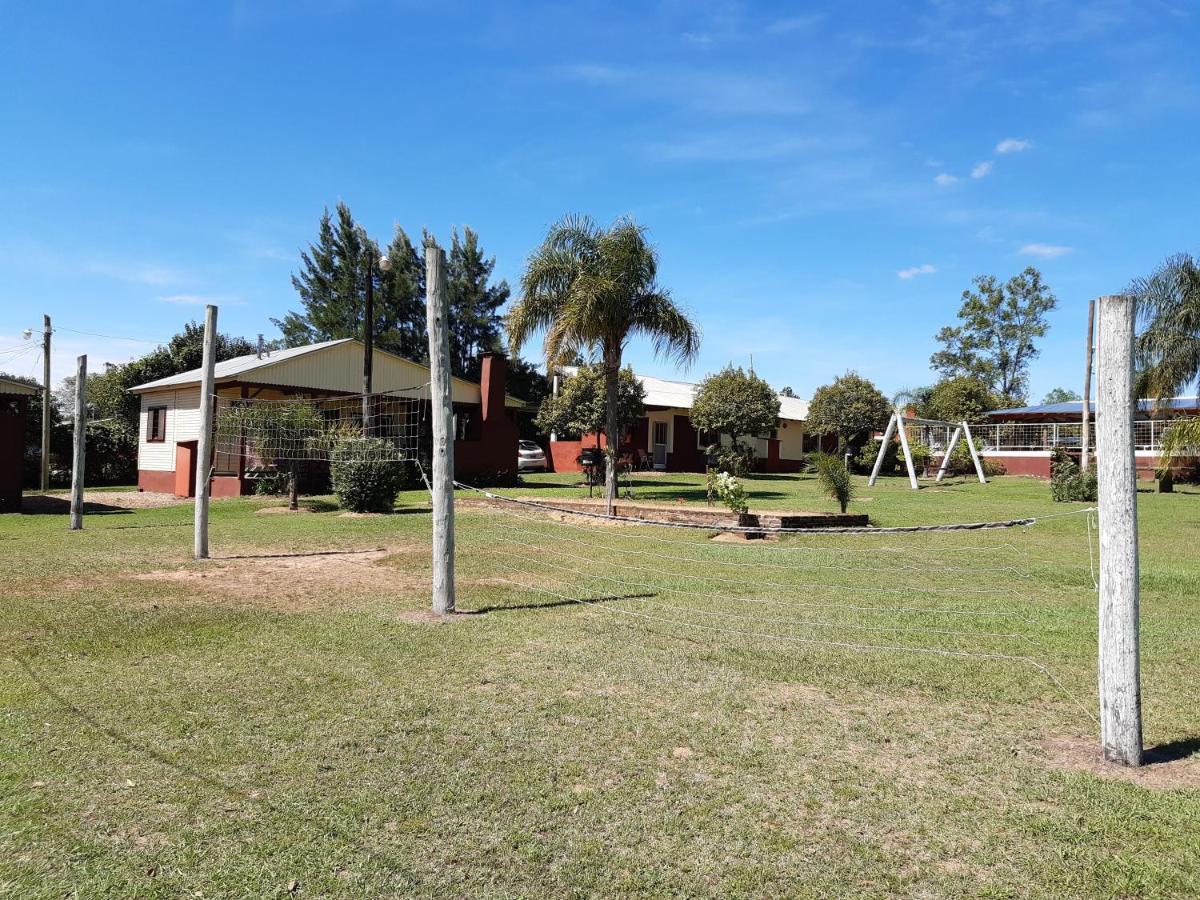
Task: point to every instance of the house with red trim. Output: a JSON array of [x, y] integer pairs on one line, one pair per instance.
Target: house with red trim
[[169, 423], [665, 439]]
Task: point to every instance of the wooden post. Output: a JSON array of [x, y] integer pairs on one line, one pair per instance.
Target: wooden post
[[437, 313], [46, 332], [204, 452], [1085, 436], [79, 459], [368, 346], [912, 472], [883, 445], [1119, 658], [946, 456], [974, 453]]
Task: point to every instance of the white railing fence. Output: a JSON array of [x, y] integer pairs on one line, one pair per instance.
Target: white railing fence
[[998, 437]]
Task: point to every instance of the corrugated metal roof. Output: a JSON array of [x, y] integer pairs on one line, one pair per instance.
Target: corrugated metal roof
[[8, 386], [239, 365], [1175, 404], [681, 395]]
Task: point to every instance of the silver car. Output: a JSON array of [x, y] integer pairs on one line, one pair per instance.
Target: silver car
[[530, 457]]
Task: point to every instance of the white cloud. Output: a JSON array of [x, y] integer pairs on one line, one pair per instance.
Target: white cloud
[[198, 299], [1045, 251], [945, 179], [909, 274], [983, 169], [1013, 145]]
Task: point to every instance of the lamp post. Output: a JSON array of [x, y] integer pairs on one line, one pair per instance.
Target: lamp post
[[369, 338]]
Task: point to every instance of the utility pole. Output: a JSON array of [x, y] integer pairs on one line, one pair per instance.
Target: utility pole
[[437, 311], [204, 453], [1116, 475], [45, 403], [1085, 436], [80, 448]]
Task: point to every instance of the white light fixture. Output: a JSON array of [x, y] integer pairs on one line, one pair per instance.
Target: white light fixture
[[384, 264]]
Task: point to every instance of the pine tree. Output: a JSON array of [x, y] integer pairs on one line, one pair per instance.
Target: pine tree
[[332, 287], [474, 303]]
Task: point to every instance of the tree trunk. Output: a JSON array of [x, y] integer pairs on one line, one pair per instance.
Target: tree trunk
[[612, 371], [293, 490]]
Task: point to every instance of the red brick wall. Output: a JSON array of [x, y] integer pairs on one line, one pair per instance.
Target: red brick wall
[[156, 482]]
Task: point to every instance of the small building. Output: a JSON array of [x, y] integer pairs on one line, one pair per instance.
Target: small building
[[1023, 439], [665, 439], [169, 423], [14, 408]]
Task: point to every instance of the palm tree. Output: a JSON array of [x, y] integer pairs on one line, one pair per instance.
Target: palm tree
[[592, 289], [1168, 348]]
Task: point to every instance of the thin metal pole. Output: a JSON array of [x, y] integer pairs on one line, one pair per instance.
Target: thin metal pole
[[1119, 657], [437, 313], [79, 459], [883, 446], [46, 332], [204, 444], [1085, 437]]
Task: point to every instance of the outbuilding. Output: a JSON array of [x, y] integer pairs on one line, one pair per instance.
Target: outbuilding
[[15, 397], [169, 422]]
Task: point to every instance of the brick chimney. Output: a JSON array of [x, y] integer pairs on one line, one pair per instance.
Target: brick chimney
[[492, 384]]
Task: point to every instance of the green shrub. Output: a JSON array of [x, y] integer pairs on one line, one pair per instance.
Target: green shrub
[[1067, 482], [891, 457], [731, 491], [834, 478], [962, 464], [737, 460], [364, 476]]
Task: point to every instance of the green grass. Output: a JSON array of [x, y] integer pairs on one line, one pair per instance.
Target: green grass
[[621, 716]]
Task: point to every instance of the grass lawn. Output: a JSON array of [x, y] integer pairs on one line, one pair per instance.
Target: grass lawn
[[618, 711]]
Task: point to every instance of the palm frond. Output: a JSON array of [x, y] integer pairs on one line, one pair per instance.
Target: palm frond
[[1181, 439]]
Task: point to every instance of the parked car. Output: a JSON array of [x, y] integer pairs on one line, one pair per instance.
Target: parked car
[[530, 457]]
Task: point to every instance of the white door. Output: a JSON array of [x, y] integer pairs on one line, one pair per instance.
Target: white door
[[660, 445]]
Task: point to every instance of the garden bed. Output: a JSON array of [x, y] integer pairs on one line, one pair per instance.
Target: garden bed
[[714, 516]]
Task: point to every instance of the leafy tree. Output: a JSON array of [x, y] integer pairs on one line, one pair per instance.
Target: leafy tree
[[474, 303], [735, 403], [1168, 347], [1061, 395], [593, 288], [580, 407], [913, 398], [956, 399], [786, 391], [852, 407], [332, 284], [996, 340]]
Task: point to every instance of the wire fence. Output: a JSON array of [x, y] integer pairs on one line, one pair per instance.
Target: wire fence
[[992, 436]]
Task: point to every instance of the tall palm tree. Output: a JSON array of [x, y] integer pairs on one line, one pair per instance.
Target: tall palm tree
[[592, 289], [1168, 347]]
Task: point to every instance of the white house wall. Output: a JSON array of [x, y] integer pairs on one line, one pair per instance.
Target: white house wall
[[182, 424]]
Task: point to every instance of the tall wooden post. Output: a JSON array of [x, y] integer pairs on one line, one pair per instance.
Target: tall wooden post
[[79, 460], [437, 311], [1085, 436], [204, 452], [1119, 659], [368, 345], [46, 332]]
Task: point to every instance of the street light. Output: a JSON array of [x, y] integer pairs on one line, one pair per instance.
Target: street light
[[384, 264]]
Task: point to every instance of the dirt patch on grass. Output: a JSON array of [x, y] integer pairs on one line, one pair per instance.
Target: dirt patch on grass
[[298, 582], [283, 511], [1166, 768], [93, 501]]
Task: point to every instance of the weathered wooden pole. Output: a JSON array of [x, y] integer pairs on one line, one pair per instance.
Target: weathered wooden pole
[[1085, 436], [79, 459], [46, 332], [437, 312], [883, 446], [204, 452], [1119, 659]]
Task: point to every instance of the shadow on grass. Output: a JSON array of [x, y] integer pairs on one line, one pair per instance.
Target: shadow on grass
[[1172, 751], [551, 604], [47, 505], [301, 554]]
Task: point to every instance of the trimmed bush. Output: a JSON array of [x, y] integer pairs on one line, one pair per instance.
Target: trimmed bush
[[891, 457], [1068, 483], [363, 477], [737, 460]]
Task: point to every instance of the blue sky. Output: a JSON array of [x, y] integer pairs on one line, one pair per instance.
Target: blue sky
[[822, 181]]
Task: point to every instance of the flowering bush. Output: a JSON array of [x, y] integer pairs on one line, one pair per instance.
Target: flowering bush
[[731, 492]]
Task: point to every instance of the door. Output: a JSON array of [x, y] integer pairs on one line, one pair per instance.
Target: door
[[660, 445]]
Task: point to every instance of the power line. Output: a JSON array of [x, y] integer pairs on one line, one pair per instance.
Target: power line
[[111, 337]]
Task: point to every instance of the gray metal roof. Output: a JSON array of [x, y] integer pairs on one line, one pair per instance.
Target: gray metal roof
[[239, 365], [1174, 404], [8, 386]]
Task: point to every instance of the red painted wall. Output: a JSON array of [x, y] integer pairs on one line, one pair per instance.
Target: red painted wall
[[156, 482], [12, 450]]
